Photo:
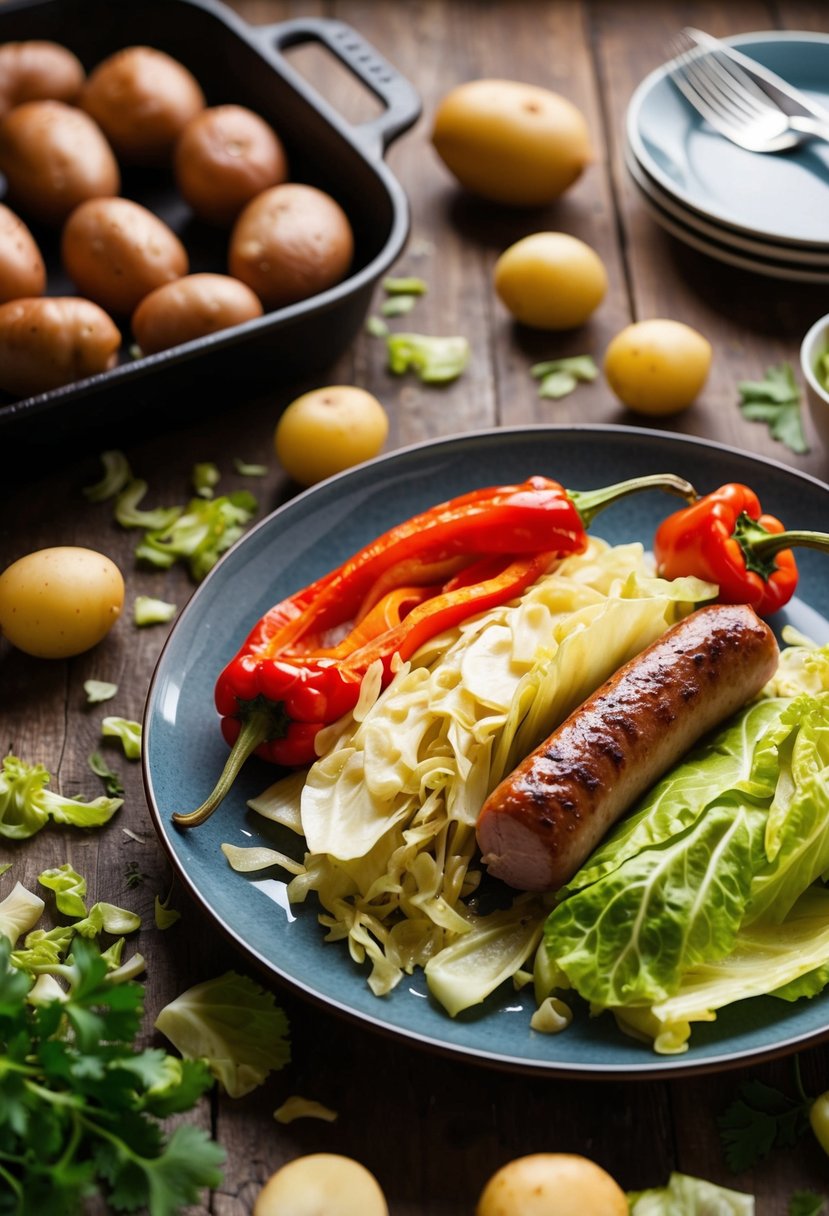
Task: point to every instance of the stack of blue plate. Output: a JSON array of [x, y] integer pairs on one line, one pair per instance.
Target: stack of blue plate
[[764, 212]]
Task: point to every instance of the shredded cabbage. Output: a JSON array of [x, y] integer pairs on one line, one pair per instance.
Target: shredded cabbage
[[389, 812]]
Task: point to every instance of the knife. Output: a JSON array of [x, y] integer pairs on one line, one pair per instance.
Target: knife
[[790, 100]]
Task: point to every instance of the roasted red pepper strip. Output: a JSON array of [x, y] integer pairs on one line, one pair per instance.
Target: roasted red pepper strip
[[302, 665], [725, 538]]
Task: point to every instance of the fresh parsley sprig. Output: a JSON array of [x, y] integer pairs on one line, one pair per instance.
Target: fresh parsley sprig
[[80, 1105]]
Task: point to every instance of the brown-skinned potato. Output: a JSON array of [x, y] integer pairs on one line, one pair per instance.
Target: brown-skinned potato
[[22, 269], [225, 156], [290, 243], [191, 307], [46, 342], [116, 252], [54, 157], [142, 99], [38, 70]]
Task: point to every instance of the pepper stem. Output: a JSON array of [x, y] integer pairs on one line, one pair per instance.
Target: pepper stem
[[765, 544], [255, 730], [589, 503]]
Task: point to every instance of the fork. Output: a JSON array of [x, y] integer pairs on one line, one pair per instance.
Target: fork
[[732, 103]]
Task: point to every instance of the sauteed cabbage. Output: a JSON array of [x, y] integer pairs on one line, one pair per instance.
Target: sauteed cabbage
[[389, 812]]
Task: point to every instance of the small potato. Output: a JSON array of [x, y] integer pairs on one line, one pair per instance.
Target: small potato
[[552, 1184], [289, 243], [142, 99], [116, 252], [225, 157], [550, 280], [54, 157], [22, 270], [50, 341], [512, 143], [38, 70], [59, 602], [657, 367], [328, 430], [321, 1184], [191, 307]]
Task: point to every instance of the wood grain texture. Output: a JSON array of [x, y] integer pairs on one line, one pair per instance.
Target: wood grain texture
[[432, 1129]]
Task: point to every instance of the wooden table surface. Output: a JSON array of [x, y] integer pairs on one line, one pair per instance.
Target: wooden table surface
[[432, 1129]]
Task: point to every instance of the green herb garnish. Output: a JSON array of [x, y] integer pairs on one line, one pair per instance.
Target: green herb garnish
[[758, 1121], [111, 780], [80, 1106], [776, 400]]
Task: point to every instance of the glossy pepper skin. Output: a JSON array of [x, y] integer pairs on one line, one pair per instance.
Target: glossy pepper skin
[[725, 538], [303, 663]]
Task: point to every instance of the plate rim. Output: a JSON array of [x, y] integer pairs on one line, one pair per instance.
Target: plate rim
[[764, 251], [725, 253], [648, 1068], [642, 90]]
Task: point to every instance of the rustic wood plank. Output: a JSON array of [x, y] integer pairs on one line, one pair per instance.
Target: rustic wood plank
[[431, 1129]]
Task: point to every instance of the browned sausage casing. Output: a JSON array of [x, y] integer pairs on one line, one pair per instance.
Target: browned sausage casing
[[542, 822]]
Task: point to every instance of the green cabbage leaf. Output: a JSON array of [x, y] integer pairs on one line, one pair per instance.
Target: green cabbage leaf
[[711, 891]]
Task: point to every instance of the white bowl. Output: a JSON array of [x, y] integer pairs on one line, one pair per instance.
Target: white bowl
[[812, 347]]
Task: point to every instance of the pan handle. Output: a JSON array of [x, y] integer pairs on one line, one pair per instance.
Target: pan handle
[[402, 103]]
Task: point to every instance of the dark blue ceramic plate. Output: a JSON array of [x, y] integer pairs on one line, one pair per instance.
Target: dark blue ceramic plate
[[316, 531]]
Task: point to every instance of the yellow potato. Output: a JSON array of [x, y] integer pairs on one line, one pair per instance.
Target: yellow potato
[[54, 157], [552, 1184], [37, 70], [321, 1184], [191, 307], [550, 280], [142, 99], [290, 242], [328, 430], [22, 270], [512, 143], [59, 602], [49, 341], [116, 252], [657, 367], [225, 156]]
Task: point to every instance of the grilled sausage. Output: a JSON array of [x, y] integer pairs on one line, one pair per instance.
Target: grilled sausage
[[542, 822]]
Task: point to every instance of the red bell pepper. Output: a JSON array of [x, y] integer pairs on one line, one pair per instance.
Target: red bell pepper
[[302, 665], [725, 538]]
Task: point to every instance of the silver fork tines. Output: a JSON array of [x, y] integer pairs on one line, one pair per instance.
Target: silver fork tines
[[730, 101]]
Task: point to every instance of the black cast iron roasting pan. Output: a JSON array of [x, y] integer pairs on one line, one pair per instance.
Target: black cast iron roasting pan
[[234, 62]]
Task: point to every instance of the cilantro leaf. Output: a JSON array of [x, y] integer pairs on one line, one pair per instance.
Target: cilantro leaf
[[760, 1119], [776, 400]]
